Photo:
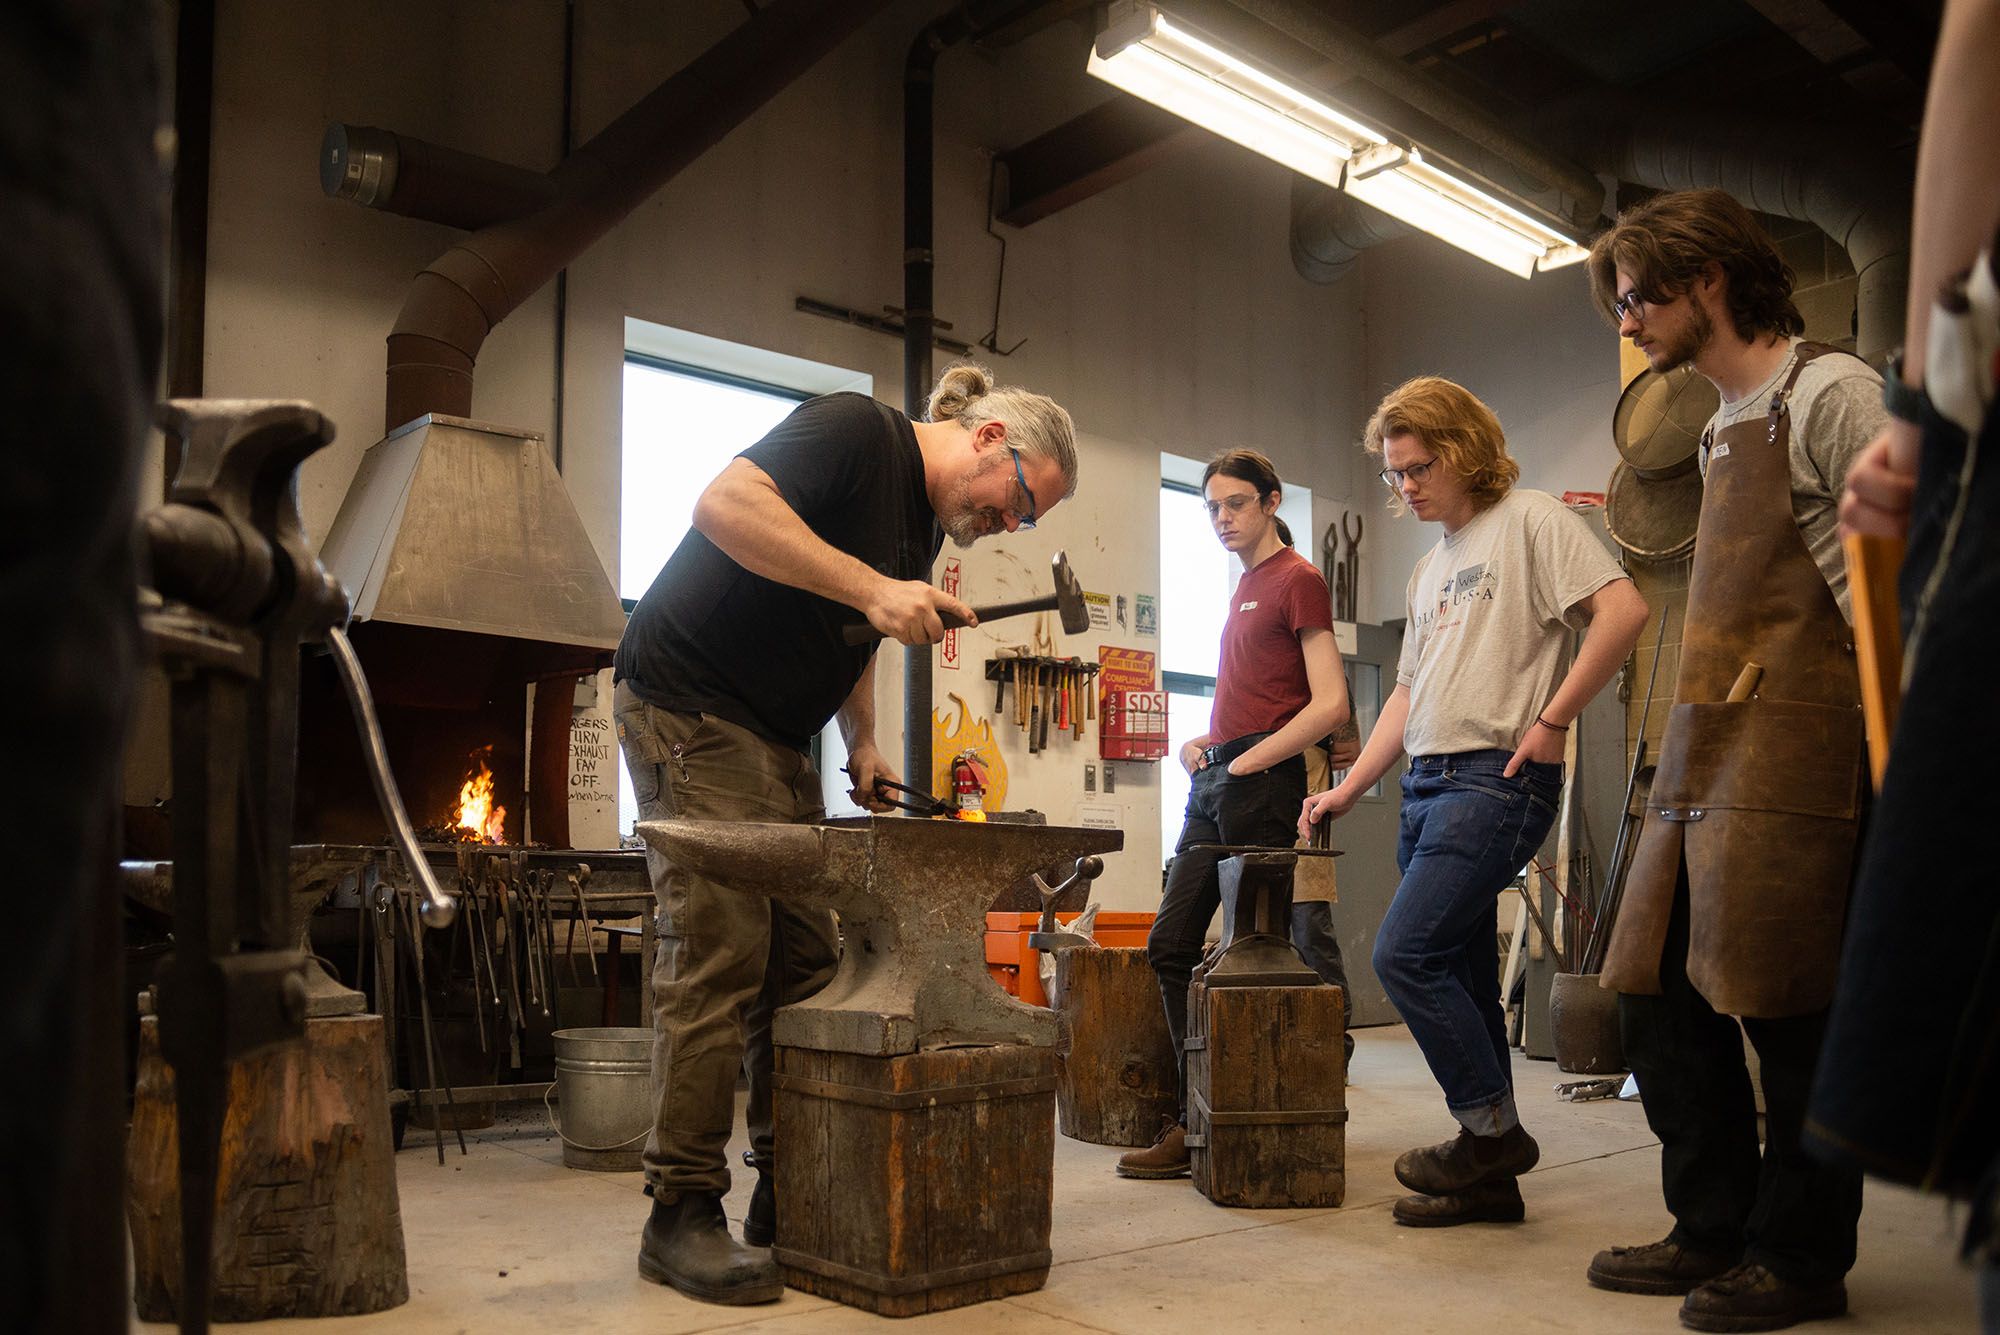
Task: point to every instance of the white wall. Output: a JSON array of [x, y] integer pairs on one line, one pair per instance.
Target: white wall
[[1536, 351], [1163, 313]]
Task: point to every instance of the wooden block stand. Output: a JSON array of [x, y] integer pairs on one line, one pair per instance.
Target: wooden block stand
[[1267, 1098], [915, 1183], [306, 1213], [1118, 1075]]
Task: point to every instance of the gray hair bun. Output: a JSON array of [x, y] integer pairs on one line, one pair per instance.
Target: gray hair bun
[[958, 389]]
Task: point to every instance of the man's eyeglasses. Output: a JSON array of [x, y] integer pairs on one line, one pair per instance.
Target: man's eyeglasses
[[1631, 306], [1415, 472], [1233, 504], [1024, 519]]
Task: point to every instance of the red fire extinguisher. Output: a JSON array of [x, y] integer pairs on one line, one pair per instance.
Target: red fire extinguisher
[[968, 786]]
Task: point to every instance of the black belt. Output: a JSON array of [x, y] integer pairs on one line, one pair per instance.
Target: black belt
[[1224, 752]]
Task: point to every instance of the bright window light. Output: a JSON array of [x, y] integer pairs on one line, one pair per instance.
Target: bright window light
[[1164, 64], [681, 429]]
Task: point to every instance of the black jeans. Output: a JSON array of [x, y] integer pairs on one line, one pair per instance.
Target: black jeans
[[1788, 1212], [1223, 808]]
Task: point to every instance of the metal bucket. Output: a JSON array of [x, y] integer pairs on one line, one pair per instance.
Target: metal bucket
[[604, 1082]]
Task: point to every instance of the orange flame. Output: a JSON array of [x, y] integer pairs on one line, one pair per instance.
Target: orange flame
[[477, 819]]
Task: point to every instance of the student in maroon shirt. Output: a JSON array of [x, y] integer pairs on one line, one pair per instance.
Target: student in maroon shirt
[[1278, 690]]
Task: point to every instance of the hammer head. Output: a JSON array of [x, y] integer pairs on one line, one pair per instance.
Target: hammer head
[[1069, 598]]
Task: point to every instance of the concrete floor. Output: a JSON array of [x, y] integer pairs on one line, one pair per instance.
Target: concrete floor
[[507, 1240]]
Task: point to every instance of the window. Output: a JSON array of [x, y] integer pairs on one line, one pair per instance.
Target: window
[[1195, 579], [681, 427], [691, 404], [1197, 575]]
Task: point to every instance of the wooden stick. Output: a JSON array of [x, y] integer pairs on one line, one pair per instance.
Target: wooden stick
[[1872, 564]]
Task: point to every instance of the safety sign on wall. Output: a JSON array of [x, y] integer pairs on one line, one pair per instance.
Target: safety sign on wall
[[948, 652]]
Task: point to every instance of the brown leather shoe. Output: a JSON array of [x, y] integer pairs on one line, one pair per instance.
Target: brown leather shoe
[[1454, 1166], [1752, 1298], [1167, 1158], [1496, 1201], [1663, 1267]]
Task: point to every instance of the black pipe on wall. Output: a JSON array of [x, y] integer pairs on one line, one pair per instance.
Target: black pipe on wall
[[919, 87]]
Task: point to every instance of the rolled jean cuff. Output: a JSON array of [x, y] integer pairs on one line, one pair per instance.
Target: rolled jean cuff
[[1496, 1118]]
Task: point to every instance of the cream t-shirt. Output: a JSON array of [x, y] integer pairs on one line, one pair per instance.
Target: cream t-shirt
[[1491, 608]]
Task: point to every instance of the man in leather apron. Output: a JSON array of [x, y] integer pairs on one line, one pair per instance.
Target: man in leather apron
[[1735, 901]]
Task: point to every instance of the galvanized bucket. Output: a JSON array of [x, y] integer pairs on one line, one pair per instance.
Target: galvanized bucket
[[604, 1082]]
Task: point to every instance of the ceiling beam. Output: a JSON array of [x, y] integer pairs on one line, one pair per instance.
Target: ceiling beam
[[1105, 146]]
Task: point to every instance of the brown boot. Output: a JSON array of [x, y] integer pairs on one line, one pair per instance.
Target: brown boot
[[1495, 1201], [1167, 1158], [1752, 1298], [1663, 1267], [1450, 1168]]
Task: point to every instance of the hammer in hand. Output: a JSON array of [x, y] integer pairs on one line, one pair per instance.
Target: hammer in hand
[[1066, 601]]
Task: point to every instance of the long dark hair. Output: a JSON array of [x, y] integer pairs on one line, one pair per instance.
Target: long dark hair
[[1252, 467]]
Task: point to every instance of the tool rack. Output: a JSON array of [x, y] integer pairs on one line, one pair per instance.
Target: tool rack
[[512, 904], [1051, 694]]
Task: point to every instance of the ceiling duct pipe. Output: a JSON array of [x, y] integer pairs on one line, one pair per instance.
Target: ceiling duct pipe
[[456, 301], [380, 169], [1858, 197], [1351, 50], [1331, 228]]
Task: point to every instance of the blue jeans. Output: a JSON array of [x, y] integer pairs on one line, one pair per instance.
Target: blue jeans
[[1466, 830]]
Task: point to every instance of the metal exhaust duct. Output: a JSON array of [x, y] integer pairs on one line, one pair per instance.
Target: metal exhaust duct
[[455, 302]]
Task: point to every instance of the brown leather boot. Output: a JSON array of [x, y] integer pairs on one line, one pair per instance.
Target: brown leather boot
[[1167, 1158], [1494, 1201], [1663, 1267], [1454, 1166], [1752, 1298]]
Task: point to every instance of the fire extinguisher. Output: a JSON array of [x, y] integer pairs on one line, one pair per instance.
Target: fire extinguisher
[[968, 786]]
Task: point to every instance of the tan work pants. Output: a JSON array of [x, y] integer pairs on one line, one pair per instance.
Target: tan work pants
[[727, 957]]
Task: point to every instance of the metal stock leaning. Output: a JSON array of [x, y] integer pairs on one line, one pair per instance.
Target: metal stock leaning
[[1614, 876]]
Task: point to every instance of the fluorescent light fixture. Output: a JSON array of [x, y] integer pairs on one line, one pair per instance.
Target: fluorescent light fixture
[[1157, 60], [1399, 182], [1565, 254], [1161, 61]]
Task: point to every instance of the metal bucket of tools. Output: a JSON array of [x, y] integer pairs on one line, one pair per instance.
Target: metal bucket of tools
[[604, 1084]]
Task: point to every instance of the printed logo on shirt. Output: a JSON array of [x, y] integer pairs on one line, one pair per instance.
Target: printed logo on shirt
[[1473, 584], [1250, 606]]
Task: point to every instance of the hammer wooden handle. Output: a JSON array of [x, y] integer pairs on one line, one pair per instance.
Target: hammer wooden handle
[[863, 633]]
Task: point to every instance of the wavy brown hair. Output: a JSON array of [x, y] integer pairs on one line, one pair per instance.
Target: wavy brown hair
[[1455, 426], [1666, 242]]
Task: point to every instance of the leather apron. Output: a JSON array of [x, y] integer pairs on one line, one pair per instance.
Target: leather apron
[[1761, 797]]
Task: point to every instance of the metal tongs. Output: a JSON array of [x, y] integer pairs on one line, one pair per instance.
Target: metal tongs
[[926, 806]]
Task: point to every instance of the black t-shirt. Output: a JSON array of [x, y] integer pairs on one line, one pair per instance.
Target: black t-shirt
[[710, 637]]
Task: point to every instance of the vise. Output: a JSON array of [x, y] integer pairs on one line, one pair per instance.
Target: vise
[[912, 898]]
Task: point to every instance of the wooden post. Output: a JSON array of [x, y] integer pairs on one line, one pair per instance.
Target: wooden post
[[1118, 1078], [307, 1222]]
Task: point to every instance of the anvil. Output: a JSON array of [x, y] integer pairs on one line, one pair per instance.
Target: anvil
[[912, 898]]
